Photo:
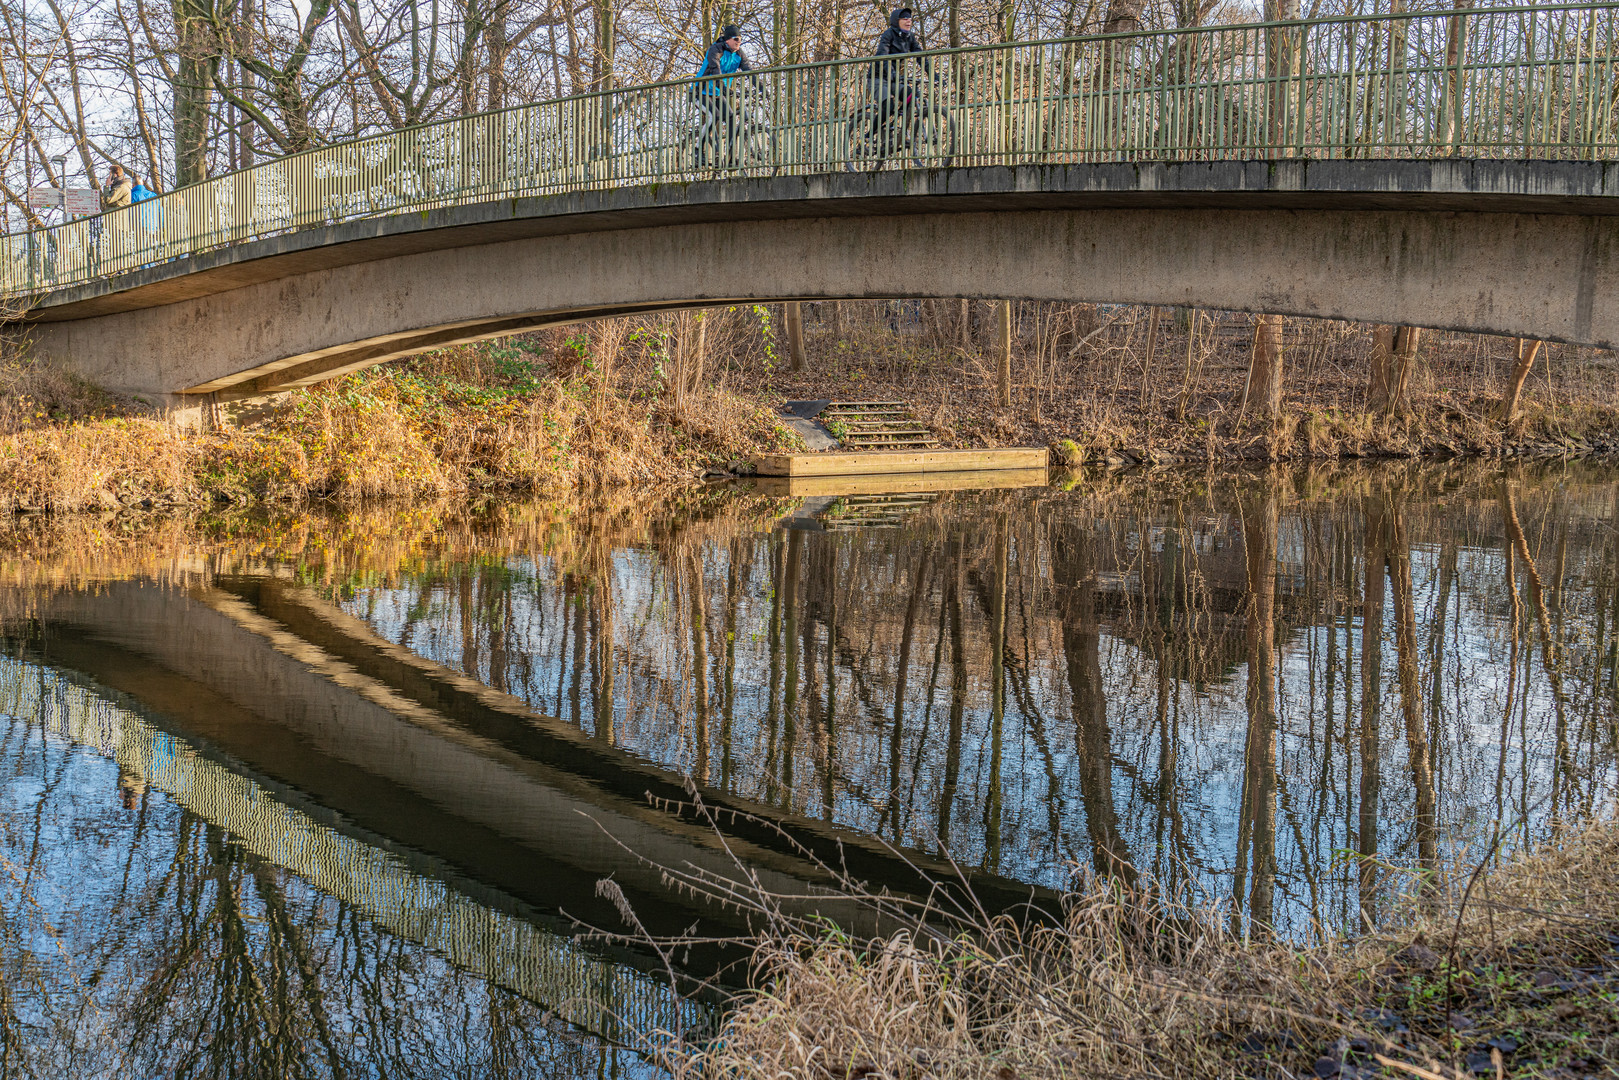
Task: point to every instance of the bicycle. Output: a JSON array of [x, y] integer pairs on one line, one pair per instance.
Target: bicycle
[[910, 122], [738, 137]]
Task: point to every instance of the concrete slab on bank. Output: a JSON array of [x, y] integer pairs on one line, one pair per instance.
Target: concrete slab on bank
[[902, 483], [875, 462]]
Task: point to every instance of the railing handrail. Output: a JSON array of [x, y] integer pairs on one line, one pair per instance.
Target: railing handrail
[[957, 50], [788, 115]]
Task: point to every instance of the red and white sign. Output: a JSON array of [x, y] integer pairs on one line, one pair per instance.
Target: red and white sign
[[82, 202], [44, 198]]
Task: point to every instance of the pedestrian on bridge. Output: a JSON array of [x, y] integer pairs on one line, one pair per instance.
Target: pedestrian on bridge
[[885, 81], [116, 194], [724, 58], [148, 218]]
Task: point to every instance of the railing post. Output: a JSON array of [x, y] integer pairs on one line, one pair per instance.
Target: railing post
[[1300, 89], [1007, 122], [1450, 106]]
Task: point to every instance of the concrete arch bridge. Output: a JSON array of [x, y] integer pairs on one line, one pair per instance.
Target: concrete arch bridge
[[1449, 170]]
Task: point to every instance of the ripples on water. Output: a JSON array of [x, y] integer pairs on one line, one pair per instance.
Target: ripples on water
[[1277, 690]]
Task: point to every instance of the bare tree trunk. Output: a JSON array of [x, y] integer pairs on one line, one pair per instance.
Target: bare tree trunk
[[1378, 393], [1391, 378], [1527, 351], [1455, 60], [1123, 17], [966, 325], [1394, 349], [499, 49], [1186, 377], [195, 67], [1282, 56], [795, 336], [1152, 347], [1265, 368], [1003, 387]]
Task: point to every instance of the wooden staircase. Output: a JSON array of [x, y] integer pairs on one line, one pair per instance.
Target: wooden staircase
[[876, 425]]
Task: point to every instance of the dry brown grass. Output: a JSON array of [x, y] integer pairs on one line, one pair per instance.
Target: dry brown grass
[[445, 425], [1106, 380], [1134, 986]]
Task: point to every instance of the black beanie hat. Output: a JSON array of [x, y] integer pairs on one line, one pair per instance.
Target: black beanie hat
[[731, 31]]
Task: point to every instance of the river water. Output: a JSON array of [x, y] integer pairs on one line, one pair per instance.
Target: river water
[[331, 794]]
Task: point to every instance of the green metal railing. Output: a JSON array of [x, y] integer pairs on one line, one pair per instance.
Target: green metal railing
[[1527, 82]]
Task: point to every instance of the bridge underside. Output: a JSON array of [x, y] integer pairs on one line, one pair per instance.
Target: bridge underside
[[1519, 248]]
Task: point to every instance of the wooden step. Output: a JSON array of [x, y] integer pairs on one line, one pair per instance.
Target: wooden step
[[893, 436], [896, 433], [892, 446]]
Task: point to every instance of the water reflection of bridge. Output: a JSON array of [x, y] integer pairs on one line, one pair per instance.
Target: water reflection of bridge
[[448, 812], [405, 891]]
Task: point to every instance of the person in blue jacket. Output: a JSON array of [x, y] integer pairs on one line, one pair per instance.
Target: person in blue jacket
[[152, 216], [724, 58]]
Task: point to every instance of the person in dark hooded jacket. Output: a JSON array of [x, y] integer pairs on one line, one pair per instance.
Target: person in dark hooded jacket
[[896, 41], [724, 58]]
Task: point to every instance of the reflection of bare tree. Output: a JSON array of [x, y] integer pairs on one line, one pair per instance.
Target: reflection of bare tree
[[1371, 702], [954, 560], [1398, 556], [789, 724], [257, 998], [242, 975], [604, 658], [1257, 824], [699, 660], [997, 699], [1564, 781], [921, 574], [1074, 565], [212, 963]]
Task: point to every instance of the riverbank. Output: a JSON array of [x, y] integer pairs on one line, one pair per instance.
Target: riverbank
[[1124, 386], [458, 423], [1508, 970], [672, 399]]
